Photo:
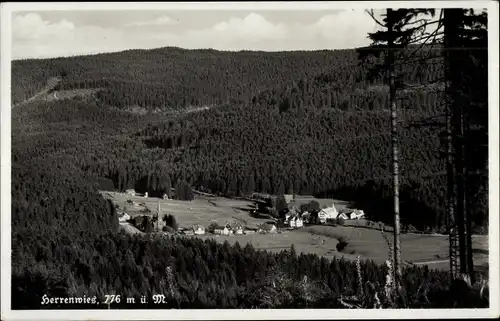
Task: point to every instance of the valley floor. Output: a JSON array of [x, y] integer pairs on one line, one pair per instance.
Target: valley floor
[[418, 249]]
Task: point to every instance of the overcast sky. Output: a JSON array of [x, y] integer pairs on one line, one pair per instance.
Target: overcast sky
[[40, 34]]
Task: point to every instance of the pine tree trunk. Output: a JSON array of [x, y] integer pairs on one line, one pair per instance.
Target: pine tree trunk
[[451, 186], [395, 149], [453, 18]]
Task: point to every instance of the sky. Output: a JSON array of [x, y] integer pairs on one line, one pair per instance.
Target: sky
[[43, 34]]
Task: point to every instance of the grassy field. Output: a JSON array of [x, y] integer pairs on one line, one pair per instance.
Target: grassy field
[[323, 202], [431, 250], [202, 210]]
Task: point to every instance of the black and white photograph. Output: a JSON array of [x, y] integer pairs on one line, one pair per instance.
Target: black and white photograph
[[262, 160]]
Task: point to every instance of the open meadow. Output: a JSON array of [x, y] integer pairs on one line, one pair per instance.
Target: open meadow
[[368, 243], [202, 210]]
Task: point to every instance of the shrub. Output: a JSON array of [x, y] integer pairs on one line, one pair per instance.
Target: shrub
[[341, 244], [340, 221], [211, 227], [171, 221], [332, 221], [313, 206]]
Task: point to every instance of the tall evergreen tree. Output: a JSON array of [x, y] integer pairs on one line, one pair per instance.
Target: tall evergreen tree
[[394, 36]]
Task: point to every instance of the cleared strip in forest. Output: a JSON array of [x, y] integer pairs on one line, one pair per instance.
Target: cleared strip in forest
[[52, 83]]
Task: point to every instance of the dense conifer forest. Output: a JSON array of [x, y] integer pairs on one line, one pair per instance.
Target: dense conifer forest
[[303, 122]]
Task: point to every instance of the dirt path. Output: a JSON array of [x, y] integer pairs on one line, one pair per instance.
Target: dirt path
[[52, 83]]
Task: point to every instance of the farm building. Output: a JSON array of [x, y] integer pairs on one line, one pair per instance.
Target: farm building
[[124, 217], [238, 230], [343, 216], [298, 221], [249, 230], [198, 230], [356, 214], [223, 230], [130, 192], [327, 213], [352, 214]]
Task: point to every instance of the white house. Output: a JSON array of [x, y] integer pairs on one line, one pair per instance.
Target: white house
[[223, 230], [298, 221], [198, 230], [130, 192], [356, 214], [327, 213], [146, 195], [124, 217]]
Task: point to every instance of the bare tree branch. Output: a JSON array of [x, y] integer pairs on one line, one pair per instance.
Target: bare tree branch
[[372, 15]]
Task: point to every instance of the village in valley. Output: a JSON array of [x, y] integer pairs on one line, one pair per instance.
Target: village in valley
[[277, 214], [325, 227]]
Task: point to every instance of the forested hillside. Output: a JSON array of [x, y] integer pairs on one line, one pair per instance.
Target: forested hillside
[[308, 122], [65, 242]]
